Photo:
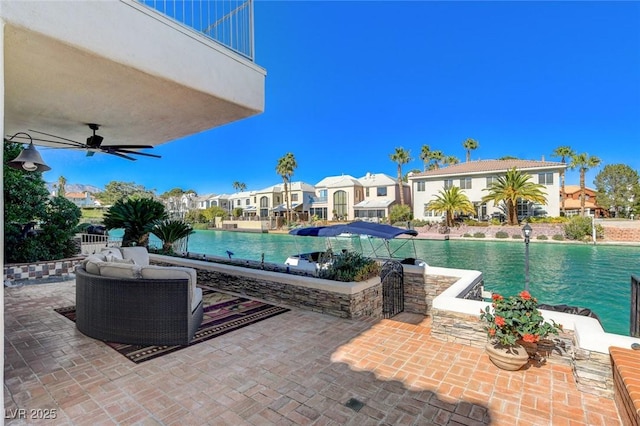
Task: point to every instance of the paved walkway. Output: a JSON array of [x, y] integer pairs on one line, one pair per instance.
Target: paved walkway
[[297, 368]]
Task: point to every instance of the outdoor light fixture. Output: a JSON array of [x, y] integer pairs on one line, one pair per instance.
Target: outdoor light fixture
[[526, 232], [29, 158]]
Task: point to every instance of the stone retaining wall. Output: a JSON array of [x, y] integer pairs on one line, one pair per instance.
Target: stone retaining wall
[[621, 234], [41, 270]]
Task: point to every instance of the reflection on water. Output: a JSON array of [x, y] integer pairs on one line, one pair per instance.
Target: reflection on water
[[595, 277]]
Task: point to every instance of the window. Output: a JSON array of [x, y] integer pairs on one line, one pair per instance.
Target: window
[[491, 180], [381, 191], [294, 197], [448, 183], [340, 204], [367, 191], [264, 206], [431, 213], [465, 183], [322, 192], [248, 201], [420, 186], [545, 178]]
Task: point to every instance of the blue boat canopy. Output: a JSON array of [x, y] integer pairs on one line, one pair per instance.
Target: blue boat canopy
[[376, 230]]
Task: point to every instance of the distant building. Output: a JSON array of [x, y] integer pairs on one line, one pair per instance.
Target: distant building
[[82, 199], [381, 192], [475, 176], [572, 202]]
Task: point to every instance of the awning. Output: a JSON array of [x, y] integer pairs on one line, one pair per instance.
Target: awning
[[283, 207], [377, 230]]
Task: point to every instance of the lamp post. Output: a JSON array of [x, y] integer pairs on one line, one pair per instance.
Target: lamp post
[[526, 232]]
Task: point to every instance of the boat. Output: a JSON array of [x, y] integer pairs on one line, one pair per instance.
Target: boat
[[378, 235]]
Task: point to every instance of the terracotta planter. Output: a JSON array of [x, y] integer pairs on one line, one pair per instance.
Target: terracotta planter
[[510, 358]]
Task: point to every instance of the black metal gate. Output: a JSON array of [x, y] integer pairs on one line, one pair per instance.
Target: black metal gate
[[392, 288]]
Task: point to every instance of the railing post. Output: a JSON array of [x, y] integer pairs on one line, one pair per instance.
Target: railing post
[[634, 324]]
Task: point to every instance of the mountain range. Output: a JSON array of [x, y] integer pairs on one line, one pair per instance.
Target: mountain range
[[74, 187]]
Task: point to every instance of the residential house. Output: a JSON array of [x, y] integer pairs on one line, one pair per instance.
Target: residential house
[[204, 202], [475, 176], [572, 202], [81, 199], [246, 200], [336, 197], [177, 207], [381, 192]]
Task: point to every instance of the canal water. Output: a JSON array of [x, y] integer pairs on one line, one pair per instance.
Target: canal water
[[596, 277]]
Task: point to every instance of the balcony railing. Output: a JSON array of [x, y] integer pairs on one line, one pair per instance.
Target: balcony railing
[[229, 22]]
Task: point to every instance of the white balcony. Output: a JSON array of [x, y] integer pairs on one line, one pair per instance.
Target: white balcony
[[144, 77]]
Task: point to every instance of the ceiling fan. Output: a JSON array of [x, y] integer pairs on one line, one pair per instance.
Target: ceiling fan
[[94, 144]]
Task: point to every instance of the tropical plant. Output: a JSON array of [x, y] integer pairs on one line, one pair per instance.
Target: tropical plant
[[400, 213], [62, 182], [285, 168], [350, 266], [116, 190], [451, 201], [237, 212], [169, 231], [580, 228], [400, 157], [136, 216], [239, 186], [435, 157], [425, 155], [617, 187], [516, 318], [513, 186], [35, 227], [450, 159], [583, 162], [470, 145], [563, 152]]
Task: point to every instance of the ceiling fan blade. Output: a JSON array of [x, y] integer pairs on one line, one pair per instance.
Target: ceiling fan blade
[[57, 137], [138, 153], [119, 155], [127, 146]]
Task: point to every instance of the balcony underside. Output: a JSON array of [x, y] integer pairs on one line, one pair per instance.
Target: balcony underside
[[143, 78]]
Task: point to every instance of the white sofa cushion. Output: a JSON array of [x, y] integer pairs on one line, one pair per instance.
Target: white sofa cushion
[[153, 272], [195, 301], [112, 251], [119, 270], [93, 266], [139, 255]]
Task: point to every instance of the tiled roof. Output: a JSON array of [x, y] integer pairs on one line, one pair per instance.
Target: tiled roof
[[337, 181], [572, 189], [376, 179], [483, 166], [575, 204]]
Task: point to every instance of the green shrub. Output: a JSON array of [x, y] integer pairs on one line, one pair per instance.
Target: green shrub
[[467, 235], [542, 237], [502, 234], [351, 266], [400, 213], [558, 237], [479, 235], [470, 222], [516, 236], [578, 227]]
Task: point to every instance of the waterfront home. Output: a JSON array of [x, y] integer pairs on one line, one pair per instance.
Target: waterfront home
[[244, 200], [572, 202], [381, 192], [272, 201], [336, 197], [475, 176]]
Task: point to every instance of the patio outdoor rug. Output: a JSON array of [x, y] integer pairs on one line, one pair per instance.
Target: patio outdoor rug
[[223, 313]]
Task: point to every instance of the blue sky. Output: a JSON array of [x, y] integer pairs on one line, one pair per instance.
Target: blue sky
[[348, 82]]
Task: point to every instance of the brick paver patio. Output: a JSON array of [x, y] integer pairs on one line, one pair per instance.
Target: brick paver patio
[[300, 367]]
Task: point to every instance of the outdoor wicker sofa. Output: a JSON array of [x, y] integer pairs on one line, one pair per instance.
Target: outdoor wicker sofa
[[137, 304]]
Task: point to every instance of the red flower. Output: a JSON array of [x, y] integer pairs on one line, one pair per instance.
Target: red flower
[[525, 295], [530, 338], [492, 332], [496, 297], [500, 321]]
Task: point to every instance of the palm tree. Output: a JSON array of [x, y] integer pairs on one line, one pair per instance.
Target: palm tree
[[400, 157], [62, 182], [285, 167], [425, 155], [470, 145], [513, 186], [583, 162], [450, 159], [239, 186], [563, 152], [136, 216], [169, 231], [436, 157], [451, 201]]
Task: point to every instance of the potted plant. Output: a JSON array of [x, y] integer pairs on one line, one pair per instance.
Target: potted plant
[[514, 324]]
